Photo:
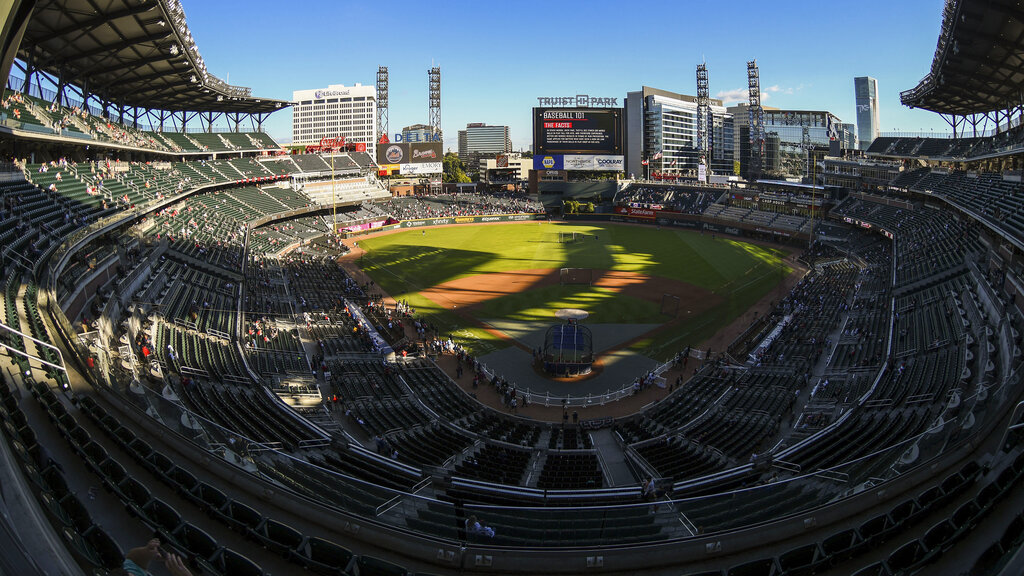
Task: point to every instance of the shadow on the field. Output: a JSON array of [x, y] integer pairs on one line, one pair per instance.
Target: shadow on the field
[[404, 267]]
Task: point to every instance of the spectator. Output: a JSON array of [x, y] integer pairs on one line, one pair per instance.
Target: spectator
[[473, 526], [137, 560]]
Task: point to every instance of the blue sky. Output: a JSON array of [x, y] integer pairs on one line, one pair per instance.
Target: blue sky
[[496, 58]]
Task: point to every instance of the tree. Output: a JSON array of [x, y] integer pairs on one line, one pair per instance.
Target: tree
[[454, 169]]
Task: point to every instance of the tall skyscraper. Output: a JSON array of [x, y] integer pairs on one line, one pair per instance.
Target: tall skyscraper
[[866, 91]]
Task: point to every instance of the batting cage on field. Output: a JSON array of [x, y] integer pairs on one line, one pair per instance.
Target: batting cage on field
[[568, 350]]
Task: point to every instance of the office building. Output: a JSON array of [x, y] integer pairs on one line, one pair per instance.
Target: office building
[[789, 137], [334, 112], [417, 133], [482, 140], [661, 128], [865, 90], [508, 168]]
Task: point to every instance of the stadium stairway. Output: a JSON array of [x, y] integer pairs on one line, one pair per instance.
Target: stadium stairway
[[613, 459]]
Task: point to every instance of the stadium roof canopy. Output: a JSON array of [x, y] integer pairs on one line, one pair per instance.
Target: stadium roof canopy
[[138, 53], [979, 61]]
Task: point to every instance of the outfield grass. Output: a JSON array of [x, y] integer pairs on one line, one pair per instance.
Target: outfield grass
[[604, 305], [406, 262]]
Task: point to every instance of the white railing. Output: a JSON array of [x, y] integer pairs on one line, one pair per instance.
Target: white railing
[[547, 399]]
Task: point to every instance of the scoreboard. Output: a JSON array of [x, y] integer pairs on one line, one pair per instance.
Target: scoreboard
[[577, 131]]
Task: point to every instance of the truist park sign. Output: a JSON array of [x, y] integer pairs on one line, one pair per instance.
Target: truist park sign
[[577, 100]]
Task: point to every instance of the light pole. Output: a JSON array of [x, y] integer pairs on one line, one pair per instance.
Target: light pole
[[332, 145]]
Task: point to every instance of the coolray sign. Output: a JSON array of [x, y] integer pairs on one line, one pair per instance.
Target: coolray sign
[[581, 100], [612, 163], [422, 168]]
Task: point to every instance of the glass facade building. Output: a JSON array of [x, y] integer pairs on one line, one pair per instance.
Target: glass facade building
[[789, 134], [865, 90], [661, 128]]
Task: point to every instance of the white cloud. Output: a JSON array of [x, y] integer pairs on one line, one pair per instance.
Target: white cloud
[[738, 96], [732, 96]]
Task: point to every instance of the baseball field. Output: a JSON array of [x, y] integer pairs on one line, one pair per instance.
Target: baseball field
[[687, 284]]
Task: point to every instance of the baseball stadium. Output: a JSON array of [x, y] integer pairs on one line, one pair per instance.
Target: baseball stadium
[[225, 356]]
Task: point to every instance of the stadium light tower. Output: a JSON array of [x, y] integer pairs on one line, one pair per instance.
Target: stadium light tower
[[703, 115], [756, 121], [434, 74], [382, 101]]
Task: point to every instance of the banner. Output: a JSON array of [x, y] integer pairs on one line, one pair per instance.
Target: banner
[[608, 162], [471, 220], [702, 173], [364, 226], [427, 152], [409, 153], [645, 213], [423, 168], [549, 162], [595, 162]]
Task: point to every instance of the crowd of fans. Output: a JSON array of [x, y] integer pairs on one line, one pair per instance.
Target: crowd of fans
[[685, 199], [456, 204]]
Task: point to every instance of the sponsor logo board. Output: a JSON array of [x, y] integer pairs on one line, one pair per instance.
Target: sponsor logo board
[[548, 162], [406, 153], [636, 212], [394, 154], [603, 162], [423, 168]]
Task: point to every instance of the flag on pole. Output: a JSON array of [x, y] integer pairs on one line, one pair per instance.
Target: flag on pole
[[644, 162], [657, 156]]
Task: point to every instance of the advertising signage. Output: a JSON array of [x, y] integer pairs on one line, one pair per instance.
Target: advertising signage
[[421, 168], [577, 131], [594, 162], [645, 213], [409, 153]]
